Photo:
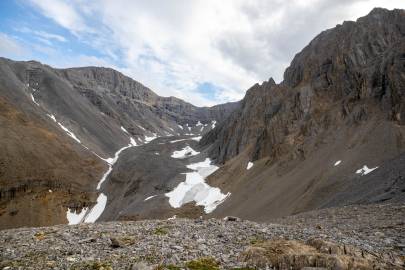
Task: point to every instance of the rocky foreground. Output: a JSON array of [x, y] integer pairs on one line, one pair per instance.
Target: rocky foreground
[[355, 237]]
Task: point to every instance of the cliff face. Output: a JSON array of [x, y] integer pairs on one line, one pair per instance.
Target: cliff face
[[340, 107], [346, 75], [104, 87]]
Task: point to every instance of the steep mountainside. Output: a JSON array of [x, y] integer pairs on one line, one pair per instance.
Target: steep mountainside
[[61, 129], [293, 146], [126, 100]]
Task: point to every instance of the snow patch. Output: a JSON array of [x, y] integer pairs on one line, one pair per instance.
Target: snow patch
[[150, 138], [180, 126], [150, 197], [111, 162], [198, 124], [123, 129], [75, 218], [156, 153], [187, 139], [204, 168], [337, 163], [108, 160], [132, 142], [68, 132], [105, 175], [33, 100], [97, 209], [213, 124], [52, 117], [249, 165], [365, 170], [195, 188], [141, 127], [187, 126], [185, 153], [196, 138], [172, 218], [178, 140]]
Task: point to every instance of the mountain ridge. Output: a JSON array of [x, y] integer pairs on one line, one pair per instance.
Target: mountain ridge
[[336, 119], [342, 101], [311, 81], [92, 113]]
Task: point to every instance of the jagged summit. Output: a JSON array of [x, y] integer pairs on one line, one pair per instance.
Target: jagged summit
[[342, 102]]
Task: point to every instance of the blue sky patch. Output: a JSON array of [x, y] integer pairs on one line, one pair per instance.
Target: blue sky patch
[[208, 90]]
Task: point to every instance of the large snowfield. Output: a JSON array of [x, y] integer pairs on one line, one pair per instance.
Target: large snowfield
[[195, 189]]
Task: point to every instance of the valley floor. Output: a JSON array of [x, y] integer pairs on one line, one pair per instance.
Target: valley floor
[[365, 234]]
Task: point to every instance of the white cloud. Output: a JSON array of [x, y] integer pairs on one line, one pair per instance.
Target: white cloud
[[173, 46], [44, 37], [10, 47], [50, 36], [63, 13]]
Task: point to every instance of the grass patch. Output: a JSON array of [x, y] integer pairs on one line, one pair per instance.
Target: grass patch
[[257, 240], [161, 231], [168, 267], [203, 264], [91, 265], [127, 240], [40, 235]]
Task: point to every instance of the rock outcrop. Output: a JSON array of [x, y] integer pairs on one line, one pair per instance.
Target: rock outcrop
[[123, 98], [346, 75], [339, 109]]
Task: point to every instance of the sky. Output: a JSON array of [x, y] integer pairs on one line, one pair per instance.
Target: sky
[[203, 51]]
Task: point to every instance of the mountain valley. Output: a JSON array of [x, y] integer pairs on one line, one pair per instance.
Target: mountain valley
[[311, 169]]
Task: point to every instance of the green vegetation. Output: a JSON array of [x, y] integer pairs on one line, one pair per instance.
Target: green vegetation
[[256, 240], [127, 240], [168, 267], [91, 265], [203, 264], [161, 231]]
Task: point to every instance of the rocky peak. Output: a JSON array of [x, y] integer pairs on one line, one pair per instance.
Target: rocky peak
[[345, 75], [109, 80]]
